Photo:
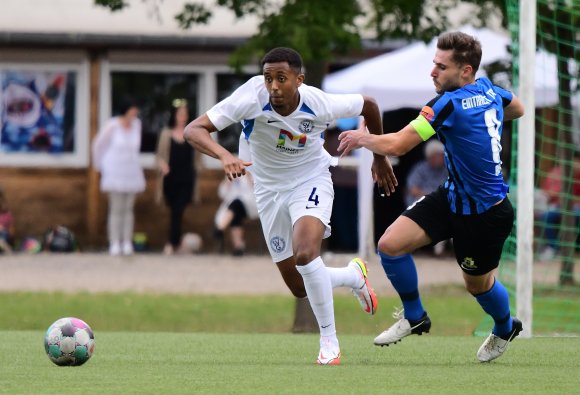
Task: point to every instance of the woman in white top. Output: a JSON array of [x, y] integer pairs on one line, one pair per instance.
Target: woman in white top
[[116, 157]]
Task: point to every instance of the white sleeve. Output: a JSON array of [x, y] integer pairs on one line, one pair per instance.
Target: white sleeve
[[330, 107], [344, 105], [244, 149], [241, 104], [101, 143]]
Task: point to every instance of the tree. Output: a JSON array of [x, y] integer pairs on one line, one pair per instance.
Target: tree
[[321, 29]]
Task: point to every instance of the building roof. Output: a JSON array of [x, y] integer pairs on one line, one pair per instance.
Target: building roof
[[141, 18], [147, 24]]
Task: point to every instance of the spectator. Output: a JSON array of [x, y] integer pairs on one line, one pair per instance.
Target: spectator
[[116, 157], [552, 187], [238, 204], [426, 176], [6, 225], [178, 166]]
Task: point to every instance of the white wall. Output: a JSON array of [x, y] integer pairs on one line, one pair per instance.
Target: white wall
[[82, 16]]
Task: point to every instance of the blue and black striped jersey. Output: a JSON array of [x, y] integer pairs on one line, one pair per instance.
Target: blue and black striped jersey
[[468, 121]]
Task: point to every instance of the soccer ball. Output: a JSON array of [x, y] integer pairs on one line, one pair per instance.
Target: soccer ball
[[69, 342], [191, 243]]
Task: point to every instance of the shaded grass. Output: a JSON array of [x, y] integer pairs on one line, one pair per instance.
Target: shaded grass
[[202, 363], [451, 314]]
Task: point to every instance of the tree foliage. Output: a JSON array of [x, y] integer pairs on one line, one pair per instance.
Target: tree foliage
[[319, 29]]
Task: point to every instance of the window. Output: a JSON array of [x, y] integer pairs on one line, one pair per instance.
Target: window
[[154, 92], [226, 84]]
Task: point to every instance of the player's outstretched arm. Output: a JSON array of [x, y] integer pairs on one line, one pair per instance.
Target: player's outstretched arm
[[372, 115], [394, 144], [197, 133]]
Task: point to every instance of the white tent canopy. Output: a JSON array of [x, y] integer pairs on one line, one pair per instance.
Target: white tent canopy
[[402, 78]]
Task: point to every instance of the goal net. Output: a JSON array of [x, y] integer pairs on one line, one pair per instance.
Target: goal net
[[555, 265]]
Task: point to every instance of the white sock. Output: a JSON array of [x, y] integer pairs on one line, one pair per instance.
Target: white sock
[[319, 291], [330, 342], [344, 277]]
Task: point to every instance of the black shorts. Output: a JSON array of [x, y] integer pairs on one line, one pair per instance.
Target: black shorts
[[478, 239], [239, 211]]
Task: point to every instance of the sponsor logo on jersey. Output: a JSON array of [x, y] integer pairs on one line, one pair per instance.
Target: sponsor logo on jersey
[[474, 101], [468, 263], [278, 244], [286, 135], [428, 113]]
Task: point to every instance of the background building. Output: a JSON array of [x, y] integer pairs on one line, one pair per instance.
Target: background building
[[64, 65]]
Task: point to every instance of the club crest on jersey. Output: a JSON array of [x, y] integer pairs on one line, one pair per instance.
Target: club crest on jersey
[[306, 126], [278, 244]]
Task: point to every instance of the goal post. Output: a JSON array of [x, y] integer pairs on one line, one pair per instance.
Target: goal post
[[525, 164], [541, 258]]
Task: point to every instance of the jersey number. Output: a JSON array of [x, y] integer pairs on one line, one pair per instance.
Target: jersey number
[[493, 125], [313, 197]]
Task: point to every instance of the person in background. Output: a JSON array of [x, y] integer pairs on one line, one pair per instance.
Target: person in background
[[178, 166], [551, 218], [238, 204], [425, 177], [7, 230], [116, 157]]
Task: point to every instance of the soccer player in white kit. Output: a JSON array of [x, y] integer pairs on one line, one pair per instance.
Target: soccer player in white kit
[[283, 124]]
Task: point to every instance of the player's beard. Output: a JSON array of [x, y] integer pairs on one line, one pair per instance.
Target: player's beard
[[447, 87]]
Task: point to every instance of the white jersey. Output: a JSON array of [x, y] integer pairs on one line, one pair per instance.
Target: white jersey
[[285, 150]]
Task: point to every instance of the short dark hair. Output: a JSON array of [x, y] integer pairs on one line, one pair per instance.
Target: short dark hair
[[125, 104], [283, 54], [466, 49]]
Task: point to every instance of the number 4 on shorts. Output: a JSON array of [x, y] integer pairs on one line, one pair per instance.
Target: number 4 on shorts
[[313, 197]]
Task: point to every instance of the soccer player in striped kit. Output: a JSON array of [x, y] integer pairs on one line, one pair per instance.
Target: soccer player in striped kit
[[471, 206]]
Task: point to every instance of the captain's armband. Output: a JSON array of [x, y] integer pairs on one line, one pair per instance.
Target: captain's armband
[[423, 127]]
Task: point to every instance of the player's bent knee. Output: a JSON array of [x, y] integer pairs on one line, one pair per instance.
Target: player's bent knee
[[387, 247], [474, 289], [479, 284], [305, 255]]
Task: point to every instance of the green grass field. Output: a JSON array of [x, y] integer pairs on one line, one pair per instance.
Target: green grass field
[[169, 344], [202, 363], [233, 314]]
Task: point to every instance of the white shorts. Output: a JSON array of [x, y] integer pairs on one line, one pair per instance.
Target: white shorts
[[280, 210]]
